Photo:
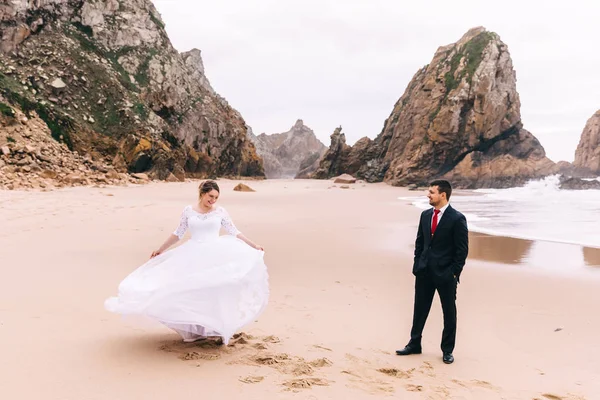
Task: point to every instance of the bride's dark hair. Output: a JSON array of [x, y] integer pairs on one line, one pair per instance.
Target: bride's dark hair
[[208, 186]]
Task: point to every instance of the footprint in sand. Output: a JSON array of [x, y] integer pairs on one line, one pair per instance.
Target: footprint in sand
[[440, 393], [369, 385], [271, 339], [286, 364], [321, 362], [483, 384], [200, 356], [305, 383], [550, 396], [270, 359], [474, 382], [166, 348], [207, 343], [252, 379], [240, 338], [354, 359], [360, 377], [301, 368], [321, 347], [351, 373], [397, 373], [427, 369], [414, 388]]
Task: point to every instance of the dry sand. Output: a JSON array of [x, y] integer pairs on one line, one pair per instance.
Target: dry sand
[[341, 303]]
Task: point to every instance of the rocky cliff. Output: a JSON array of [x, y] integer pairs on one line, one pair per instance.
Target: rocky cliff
[[285, 154], [341, 158], [105, 79], [459, 118], [587, 155]]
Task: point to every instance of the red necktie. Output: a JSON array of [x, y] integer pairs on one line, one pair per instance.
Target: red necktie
[[435, 221]]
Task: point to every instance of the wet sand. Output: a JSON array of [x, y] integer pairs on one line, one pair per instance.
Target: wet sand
[[538, 255]]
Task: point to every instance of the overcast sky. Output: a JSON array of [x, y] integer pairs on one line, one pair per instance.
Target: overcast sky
[[346, 62]]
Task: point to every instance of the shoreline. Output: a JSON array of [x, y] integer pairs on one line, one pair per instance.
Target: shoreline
[[473, 226]]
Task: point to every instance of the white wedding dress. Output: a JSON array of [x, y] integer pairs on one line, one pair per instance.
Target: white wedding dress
[[211, 285]]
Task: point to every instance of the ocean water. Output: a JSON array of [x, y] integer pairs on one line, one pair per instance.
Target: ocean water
[[538, 211]]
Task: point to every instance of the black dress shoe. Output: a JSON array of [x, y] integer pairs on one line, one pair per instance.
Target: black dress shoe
[[408, 350], [448, 358]]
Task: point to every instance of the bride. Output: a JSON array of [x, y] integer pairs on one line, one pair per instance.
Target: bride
[[211, 285]]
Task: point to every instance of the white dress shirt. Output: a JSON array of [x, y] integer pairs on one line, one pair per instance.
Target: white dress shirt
[[439, 217]]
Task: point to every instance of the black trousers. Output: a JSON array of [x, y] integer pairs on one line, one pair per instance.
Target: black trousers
[[425, 288]]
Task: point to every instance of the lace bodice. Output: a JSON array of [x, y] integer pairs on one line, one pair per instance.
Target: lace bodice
[[205, 226]]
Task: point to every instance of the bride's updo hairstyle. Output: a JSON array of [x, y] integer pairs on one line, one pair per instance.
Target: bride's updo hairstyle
[[208, 186]]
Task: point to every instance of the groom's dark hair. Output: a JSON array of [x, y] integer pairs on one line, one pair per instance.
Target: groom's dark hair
[[443, 187]]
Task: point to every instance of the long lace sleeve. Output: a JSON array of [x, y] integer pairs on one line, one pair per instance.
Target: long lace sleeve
[[183, 223], [228, 224]]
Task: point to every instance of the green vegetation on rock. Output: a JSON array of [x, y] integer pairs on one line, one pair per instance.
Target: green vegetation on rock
[[84, 28], [59, 124], [6, 110], [470, 55], [156, 20], [89, 46], [140, 110], [142, 73], [473, 51]]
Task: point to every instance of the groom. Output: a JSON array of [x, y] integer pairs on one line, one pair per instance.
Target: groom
[[441, 249]]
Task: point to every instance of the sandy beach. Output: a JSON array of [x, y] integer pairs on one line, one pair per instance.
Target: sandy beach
[[341, 303]]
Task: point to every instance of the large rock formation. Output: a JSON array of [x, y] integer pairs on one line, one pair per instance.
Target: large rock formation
[[105, 79], [285, 154], [341, 158], [572, 183], [308, 166], [459, 118], [566, 168], [587, 155]]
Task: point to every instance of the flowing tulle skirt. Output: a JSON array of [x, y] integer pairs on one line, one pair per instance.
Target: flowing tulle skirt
[[198, 289]]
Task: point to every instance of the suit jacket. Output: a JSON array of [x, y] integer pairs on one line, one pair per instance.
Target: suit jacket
[[443, 254]]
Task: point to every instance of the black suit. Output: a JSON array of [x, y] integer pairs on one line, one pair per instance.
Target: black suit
[[439, 261]]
